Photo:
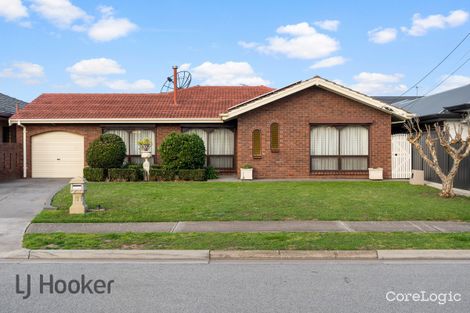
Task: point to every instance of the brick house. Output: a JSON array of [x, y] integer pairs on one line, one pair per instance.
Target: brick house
[[312, 128], [10, 151]]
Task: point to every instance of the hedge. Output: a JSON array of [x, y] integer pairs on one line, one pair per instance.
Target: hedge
[[124, 174], [134, 172], [162, 174], [94, 174], [195, 174], [211, 173]]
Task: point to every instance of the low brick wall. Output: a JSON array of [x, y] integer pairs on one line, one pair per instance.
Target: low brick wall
[[11, 160]]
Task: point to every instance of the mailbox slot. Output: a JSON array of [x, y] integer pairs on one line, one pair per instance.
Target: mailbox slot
[[76, 187]]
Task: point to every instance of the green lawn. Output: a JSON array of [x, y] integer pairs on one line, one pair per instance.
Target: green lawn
[[211, 201], [249, 241]]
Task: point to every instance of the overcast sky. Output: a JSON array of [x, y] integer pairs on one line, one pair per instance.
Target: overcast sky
[[376, 47]]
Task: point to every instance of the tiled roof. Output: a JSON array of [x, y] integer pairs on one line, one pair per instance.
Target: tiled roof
[[193, 102], [8, 105]]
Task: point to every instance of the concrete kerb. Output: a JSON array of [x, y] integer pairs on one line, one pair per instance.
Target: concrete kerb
[[48, 203], [423, 254], [234, 255]]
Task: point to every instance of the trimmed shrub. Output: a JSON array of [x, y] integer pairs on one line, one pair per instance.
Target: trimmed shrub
[[94, 174], [182, 151], [123, 174], [108, 151], [211, 173], [162, 174], [194, 174], [131, 165], [139, 168]]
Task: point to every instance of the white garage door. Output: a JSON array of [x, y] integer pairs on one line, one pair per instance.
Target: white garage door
[[57, 154]]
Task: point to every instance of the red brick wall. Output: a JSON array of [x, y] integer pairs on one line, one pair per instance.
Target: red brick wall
[[11, 161], [89, 131], [294, 115]]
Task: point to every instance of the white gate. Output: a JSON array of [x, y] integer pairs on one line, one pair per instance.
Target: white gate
[[401, 156]]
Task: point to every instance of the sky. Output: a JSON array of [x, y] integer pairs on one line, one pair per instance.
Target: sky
[[376, 47]]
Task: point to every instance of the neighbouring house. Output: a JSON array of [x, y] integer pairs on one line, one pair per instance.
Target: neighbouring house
[[10, 151], [450, 108], [312, 128]]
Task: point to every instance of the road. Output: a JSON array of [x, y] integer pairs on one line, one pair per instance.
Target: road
[[320, 286]]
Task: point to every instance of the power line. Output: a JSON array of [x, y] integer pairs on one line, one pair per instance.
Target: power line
[[440, 83], [447, 77], [435, 67]]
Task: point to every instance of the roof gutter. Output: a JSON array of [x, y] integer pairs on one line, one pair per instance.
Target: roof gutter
[[117, 120]]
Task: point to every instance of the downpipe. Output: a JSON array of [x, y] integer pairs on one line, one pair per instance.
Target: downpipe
[[25, 166]]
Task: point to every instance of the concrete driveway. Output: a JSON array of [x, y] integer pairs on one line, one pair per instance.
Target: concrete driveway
[[20, 201]]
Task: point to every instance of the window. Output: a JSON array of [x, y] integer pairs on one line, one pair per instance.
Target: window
[[256, 143], [339, 148], [274, 137], [220, 146], [131, 138], [6, 134]]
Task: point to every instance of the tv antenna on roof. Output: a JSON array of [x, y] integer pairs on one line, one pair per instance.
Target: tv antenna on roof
[[179, 80]]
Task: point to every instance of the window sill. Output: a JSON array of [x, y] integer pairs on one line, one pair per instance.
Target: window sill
[[340, 172]]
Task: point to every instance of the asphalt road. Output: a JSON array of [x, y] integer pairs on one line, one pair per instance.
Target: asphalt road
[[239, 287]]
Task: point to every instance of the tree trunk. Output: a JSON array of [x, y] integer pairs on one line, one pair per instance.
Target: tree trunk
[[447, 187]]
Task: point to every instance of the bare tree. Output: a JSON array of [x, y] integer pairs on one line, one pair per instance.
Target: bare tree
[[455, 145]]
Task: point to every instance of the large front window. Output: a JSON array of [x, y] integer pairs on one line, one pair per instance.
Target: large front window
[[220, 146], [131, 138], [339, 148]]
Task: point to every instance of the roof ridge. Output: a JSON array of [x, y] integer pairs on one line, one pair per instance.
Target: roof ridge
[[16, 99]]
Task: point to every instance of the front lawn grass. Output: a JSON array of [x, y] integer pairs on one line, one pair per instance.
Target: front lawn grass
[[249, 241], [257, 201]]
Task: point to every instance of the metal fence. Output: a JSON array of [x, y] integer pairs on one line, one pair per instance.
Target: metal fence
[[462, 179]]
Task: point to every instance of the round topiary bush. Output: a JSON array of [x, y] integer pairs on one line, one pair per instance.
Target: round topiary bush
[[182, 151], [108, 151]]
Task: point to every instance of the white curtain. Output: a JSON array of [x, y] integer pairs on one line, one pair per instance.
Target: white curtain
[[354, 140], [137, 135], [355, 164], [324, 141], [221, 142], [324, 164], [201, 133], [124, 136], [218, 142], [221, 162]]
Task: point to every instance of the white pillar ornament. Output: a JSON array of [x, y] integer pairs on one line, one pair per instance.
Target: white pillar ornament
[[145, 154]]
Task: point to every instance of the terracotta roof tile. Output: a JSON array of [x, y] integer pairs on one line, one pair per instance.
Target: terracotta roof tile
[[194, 102]]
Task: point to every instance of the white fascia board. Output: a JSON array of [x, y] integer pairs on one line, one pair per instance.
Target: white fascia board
[[316, 81], [117, 120]]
